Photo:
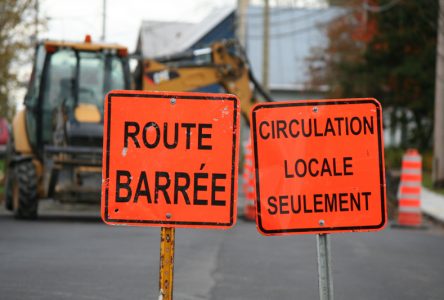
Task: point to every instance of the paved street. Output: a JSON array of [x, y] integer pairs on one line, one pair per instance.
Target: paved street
[[76, 256]]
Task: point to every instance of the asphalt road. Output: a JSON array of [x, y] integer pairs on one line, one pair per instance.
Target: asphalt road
[[76, 256]]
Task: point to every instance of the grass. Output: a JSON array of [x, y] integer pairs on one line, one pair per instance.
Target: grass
[[428, 183]]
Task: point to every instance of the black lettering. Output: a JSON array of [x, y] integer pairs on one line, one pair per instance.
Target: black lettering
[[338, 123], [355, 202], [366, 194], [272, 130], [325, 168], [145, 132], [162, 187], [182, 188], [335, 172], [188, 127], [329, 128], [132, 135], [287, 175], [296, 168], [368, 125], [295, 211], [354, 130], [261, 133], [315, 121], [308, 132], [306, 210], [317, 203], [281, 126], [283, 204], [331, 205], [217, 188], [342, 202], [348, 166], [142, 188], [123, 185], [165, 136], [295, 133], [272, 203], [202, 136], [198, 187], [310, 169]]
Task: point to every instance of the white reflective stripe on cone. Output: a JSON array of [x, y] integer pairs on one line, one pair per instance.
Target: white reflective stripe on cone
[[409, 209], [414, 196], [412, 158], [410, 183], [409, 171]]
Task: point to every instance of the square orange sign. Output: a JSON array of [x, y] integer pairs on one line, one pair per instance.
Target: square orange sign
[[170, 159], [319, 166]]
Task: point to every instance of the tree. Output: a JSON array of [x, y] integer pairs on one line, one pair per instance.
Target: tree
[[394, 60], [17, 26]]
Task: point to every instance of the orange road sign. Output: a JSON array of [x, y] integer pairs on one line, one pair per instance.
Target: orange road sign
[[319, 166], [170, 159]]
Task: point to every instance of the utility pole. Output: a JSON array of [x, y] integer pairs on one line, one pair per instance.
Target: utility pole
[[103, 21], [266, 43], [438, 148], [242, 7], [36, 21]]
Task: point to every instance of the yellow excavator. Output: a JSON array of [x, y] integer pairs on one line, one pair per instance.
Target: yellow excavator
[[224, 64], [56, 145]]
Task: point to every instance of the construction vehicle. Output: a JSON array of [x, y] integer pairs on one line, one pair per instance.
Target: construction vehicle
[[56, 145], [224, 63]]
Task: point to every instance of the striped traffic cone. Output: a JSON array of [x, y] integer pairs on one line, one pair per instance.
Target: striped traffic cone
[[248, 186], [409, 192]]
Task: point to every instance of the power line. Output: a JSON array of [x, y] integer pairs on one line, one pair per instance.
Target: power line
[[296, 19], [295, 31], [292, 32]]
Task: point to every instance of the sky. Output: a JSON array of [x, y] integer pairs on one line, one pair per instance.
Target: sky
[[72, 20]]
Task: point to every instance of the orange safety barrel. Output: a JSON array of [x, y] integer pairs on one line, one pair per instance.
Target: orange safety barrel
[[248, 185], [409, 192]]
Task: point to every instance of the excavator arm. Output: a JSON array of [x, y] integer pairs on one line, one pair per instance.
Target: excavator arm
[[224, 63]]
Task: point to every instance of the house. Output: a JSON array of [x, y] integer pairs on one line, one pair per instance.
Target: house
[[157, 38], [294, 32]]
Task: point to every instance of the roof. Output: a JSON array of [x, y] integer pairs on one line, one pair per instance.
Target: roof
[[157, 38]]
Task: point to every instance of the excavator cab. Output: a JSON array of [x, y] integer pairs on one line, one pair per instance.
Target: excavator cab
[[57, 139]]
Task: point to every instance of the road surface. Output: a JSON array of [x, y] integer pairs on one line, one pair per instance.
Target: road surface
[[76, 256]]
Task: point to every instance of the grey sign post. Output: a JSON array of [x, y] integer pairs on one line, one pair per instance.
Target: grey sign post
[[324, 267]]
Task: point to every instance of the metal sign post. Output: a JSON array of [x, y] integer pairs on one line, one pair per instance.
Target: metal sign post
[[324, 268], [166, 271]]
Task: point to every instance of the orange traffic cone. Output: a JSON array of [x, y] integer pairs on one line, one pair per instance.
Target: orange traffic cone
[[409, 192], [248, 186]]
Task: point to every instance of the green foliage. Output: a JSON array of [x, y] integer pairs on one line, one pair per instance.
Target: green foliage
[[17, 19], [393, 158], [401, 63], [394, 63]]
